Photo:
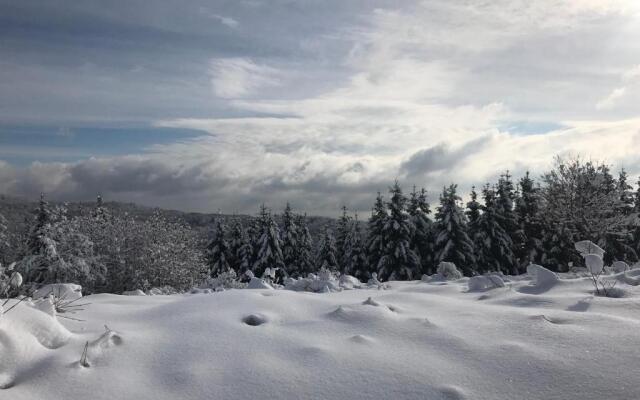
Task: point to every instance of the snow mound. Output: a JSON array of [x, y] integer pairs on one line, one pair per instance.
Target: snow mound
[[66, 291], [542, 279], [483, 283], [447, 271], [257, 283], [137, 292], [26, 334]]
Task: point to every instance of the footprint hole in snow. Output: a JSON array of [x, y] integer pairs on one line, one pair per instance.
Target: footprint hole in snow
[[254, 320]]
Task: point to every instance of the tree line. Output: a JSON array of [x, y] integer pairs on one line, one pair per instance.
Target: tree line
[[503, 227]]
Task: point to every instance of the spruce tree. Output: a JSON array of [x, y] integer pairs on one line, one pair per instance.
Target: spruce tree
[[422, 240], [398, 261], [473, 217], [494, 245], [326, 255], [356, 262], [452, 241], [240, 249], [304, 254], [268, 244], [529, 249], [218, 253], [36, 242], [290, 241], [505, 207], [4, 240], [344, 224], [375, 241]]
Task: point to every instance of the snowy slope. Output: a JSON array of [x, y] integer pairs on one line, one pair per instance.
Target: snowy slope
[[417, 340]]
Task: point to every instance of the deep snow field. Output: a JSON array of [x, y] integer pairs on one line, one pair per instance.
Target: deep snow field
[[415, 340]]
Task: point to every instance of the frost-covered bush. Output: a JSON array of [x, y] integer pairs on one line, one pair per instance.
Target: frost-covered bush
[[224, 280], [541, 276], [324, 281], [449, 271], [593, 259], [10, 282]]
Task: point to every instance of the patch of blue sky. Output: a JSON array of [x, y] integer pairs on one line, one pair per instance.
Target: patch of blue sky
[[21, 145], [525, 128]]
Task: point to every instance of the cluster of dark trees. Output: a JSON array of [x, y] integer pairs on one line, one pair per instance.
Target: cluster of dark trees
[[502, 227]]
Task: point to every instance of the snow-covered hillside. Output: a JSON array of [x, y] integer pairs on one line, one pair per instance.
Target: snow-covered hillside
[[415, 340]]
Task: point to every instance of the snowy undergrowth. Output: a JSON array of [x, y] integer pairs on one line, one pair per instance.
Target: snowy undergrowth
[[415, 340]]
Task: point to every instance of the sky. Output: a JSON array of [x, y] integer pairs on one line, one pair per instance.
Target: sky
[[223, 105]]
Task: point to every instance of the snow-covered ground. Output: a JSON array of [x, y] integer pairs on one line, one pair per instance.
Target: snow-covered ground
[[416, 340]]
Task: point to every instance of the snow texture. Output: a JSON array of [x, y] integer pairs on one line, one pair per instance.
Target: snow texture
[[415, 340]]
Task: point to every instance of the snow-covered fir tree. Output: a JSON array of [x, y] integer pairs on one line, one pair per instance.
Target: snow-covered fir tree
[[304, 255], [493, 244], [268, 244], [505, 199], [4, 240], [240, 249], [398, 261], [290, 241], [529, 248], [452, 242], [326, 255], [375, 240], [219, 256], [473, 214], [342, 230], [422, 239], [356, 261]]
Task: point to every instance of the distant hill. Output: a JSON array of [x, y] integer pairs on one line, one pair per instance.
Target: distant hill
[[19, 214]]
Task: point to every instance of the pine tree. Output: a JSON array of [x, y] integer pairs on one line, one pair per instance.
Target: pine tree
[[422, 240], [375, 240], [344, 224], [505, 206], [36, 242], [473, 217], [290, 241], [493, 243], [218, 251], [304, 254], [99, 211], [356, 262], [399, 261], [268, 244], [4, 240], [452, 242], [326, 254], [529, 248], [240, 249]]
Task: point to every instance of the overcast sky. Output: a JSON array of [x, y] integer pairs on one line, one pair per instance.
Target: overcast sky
[[222, 105]]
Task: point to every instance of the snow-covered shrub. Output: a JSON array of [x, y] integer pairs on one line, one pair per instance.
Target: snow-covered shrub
[[162, 291], [224, 280], [620, 266], [449, 271], [10, 281], [324, 281], [593, 259], [482, 283]]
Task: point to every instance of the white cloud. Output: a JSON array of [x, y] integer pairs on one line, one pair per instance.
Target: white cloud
[[238, 77], [611, 99]]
